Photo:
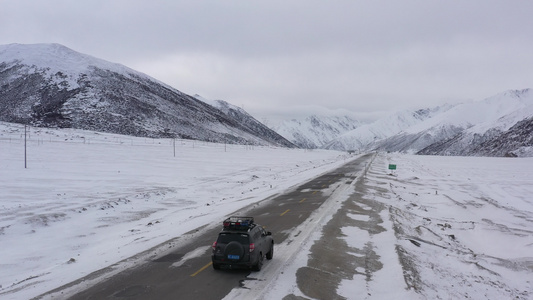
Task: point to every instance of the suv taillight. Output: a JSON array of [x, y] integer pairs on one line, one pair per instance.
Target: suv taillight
[[214, 245], [252, 247]]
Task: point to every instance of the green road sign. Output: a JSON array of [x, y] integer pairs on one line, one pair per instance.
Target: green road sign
[[392, 167]]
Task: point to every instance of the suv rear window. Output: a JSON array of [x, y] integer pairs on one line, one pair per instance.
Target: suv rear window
[[225, 238]]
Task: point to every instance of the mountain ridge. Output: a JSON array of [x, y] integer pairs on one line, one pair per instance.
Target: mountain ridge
[[51, 85], [463, 129], [469, 129], [315, 130]]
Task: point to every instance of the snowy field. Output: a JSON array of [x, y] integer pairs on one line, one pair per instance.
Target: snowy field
[[436, 228], [451, 227], [472, 219], [88, 200]]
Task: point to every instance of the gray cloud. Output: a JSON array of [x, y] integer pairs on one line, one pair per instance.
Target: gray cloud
[[288, 57]]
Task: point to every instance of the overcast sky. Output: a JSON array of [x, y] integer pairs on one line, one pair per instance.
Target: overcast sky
[[298, 57]]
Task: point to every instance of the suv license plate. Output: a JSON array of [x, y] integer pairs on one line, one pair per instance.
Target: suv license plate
[[233, 257]]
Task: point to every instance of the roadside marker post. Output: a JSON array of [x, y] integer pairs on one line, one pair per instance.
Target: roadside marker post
[[392, 168]]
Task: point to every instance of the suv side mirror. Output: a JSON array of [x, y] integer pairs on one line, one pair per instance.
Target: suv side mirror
[[269, 233]]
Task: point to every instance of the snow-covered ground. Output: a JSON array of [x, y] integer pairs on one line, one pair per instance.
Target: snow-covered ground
[[445, 228], [473, 219], [88, 200], [451, 227]]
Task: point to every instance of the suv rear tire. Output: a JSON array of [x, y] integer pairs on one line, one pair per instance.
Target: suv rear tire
[[270, 253], [259, 264]]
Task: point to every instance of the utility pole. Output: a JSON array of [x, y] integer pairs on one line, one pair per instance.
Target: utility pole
[[25, 164]]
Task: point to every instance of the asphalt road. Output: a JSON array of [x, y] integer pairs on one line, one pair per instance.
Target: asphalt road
[[162, 278]]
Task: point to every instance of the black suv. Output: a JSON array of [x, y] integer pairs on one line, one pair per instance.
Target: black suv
[[242, 243]]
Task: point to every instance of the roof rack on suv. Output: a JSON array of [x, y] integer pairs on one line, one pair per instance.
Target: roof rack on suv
[[238, 223]]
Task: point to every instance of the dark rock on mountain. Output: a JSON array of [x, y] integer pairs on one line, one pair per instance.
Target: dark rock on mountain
[[517, 141], [496, 126], [50, 85], [245, 120]]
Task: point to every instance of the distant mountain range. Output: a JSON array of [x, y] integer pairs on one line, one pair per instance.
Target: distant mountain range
[[501, 125], [51, 85], [315, 131]]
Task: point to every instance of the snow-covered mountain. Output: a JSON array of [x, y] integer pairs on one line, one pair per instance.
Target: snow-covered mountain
[[316, 130], [497, 126], [503, 127], [365, 136], [238, 114], [51, 85]]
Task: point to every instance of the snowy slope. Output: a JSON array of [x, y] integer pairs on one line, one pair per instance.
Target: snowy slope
[[53, 58], [516, 141], [485, 114], [365, 135], [451, 129], [485, 121], [245, 120], [53, 86], [316, 130]]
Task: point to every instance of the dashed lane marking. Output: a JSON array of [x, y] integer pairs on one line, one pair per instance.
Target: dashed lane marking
[[284, 212]]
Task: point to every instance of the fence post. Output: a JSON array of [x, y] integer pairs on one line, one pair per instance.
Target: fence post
[[25, 163]]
